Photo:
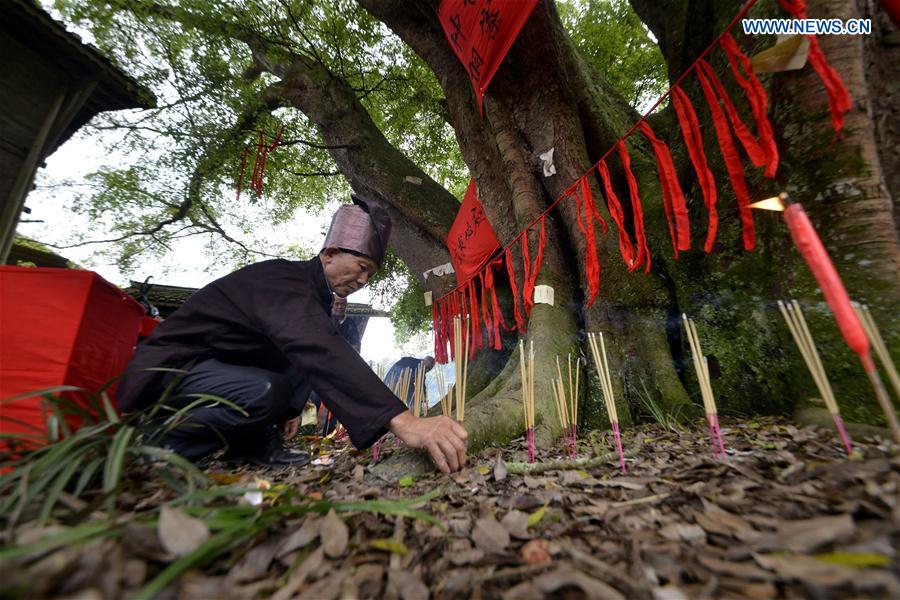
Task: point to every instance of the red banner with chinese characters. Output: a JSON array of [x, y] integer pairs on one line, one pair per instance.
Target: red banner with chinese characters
[[481, 32], [471, 240]]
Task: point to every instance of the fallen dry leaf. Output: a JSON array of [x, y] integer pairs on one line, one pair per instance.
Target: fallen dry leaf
[[809, 535], [179, 533], [406, 585], [334, 534], [500, 468], [489, 535], [516, 523]]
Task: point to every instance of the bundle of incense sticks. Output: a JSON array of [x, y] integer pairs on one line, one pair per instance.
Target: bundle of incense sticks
[[599, 354], [446, 398], [567, 405], [701, 366], [796, 322], [419, 399], [878, 343], [526, 367], [460, 350]]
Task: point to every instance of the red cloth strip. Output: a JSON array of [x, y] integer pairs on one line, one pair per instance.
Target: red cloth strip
[[690, 129], [673, 196], [475, 342], [511, 272], [637, 210], [591, 262], [498, 320], [729, 153], [528, 286], [756, 95], [240, 180], [838, 99], [486, 308], [615, 210], [751, 145]]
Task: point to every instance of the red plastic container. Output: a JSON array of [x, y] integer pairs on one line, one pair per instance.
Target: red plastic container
[[59, 327]]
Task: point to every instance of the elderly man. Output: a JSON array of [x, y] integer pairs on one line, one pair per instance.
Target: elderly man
[[262, 338]]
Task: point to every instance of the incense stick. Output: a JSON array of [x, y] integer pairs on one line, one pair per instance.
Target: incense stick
[[446, 398], [600, 360], [462, 367], [567, 405], [796, 322], [419, 392], [526, 370], [880, 348], [701, 367]]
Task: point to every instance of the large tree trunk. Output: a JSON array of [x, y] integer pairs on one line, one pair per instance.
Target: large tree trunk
[[544, 95]]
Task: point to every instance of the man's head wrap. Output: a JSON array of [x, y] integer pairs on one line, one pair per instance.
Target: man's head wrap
[[361, 227]]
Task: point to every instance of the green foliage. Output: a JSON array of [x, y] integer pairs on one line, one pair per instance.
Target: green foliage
[[395, 286], [609, 34], [184, 157]]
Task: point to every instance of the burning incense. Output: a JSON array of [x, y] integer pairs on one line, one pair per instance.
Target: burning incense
[[701, 366], [527, 372], [461, 349], [810, 246], [878, 343], [599, 354], [796, 322]]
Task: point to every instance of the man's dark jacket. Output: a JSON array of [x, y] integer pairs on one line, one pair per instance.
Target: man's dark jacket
[[273, 315]]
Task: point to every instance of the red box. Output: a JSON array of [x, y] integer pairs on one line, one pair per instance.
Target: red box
[[59, 327]]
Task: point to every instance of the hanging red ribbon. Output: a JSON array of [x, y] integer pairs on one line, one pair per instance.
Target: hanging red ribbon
[[690, 129], [753, 148], [839, 101], [756, 96], [617, 214], [486, 308], [591, 262], [643, 252], [673, 196], [729, 153], [511, 272], [531, 273], [259, 163], [476, 318]]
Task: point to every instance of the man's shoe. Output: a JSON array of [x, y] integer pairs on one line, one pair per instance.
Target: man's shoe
[[267, 450]]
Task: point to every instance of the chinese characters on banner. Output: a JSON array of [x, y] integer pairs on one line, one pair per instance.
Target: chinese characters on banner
[[481, 33], [471, 240]]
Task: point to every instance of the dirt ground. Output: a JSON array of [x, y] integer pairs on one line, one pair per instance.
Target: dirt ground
[[786, 515]]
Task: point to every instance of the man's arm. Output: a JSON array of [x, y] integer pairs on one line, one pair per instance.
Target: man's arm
[[444, 438]]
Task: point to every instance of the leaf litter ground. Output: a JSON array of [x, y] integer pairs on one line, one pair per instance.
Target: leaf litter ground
[[786, 515]]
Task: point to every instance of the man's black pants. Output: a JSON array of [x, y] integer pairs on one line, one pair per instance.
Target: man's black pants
[[268, 397]]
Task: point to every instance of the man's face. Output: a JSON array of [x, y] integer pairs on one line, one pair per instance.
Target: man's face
[[346, 272]]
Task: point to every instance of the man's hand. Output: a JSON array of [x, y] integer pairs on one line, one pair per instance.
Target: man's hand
[[444, 438], [290, 428]]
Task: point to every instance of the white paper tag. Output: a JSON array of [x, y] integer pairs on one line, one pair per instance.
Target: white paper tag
[[439, 271], [547, 160], [543, 294], [428, 298]]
